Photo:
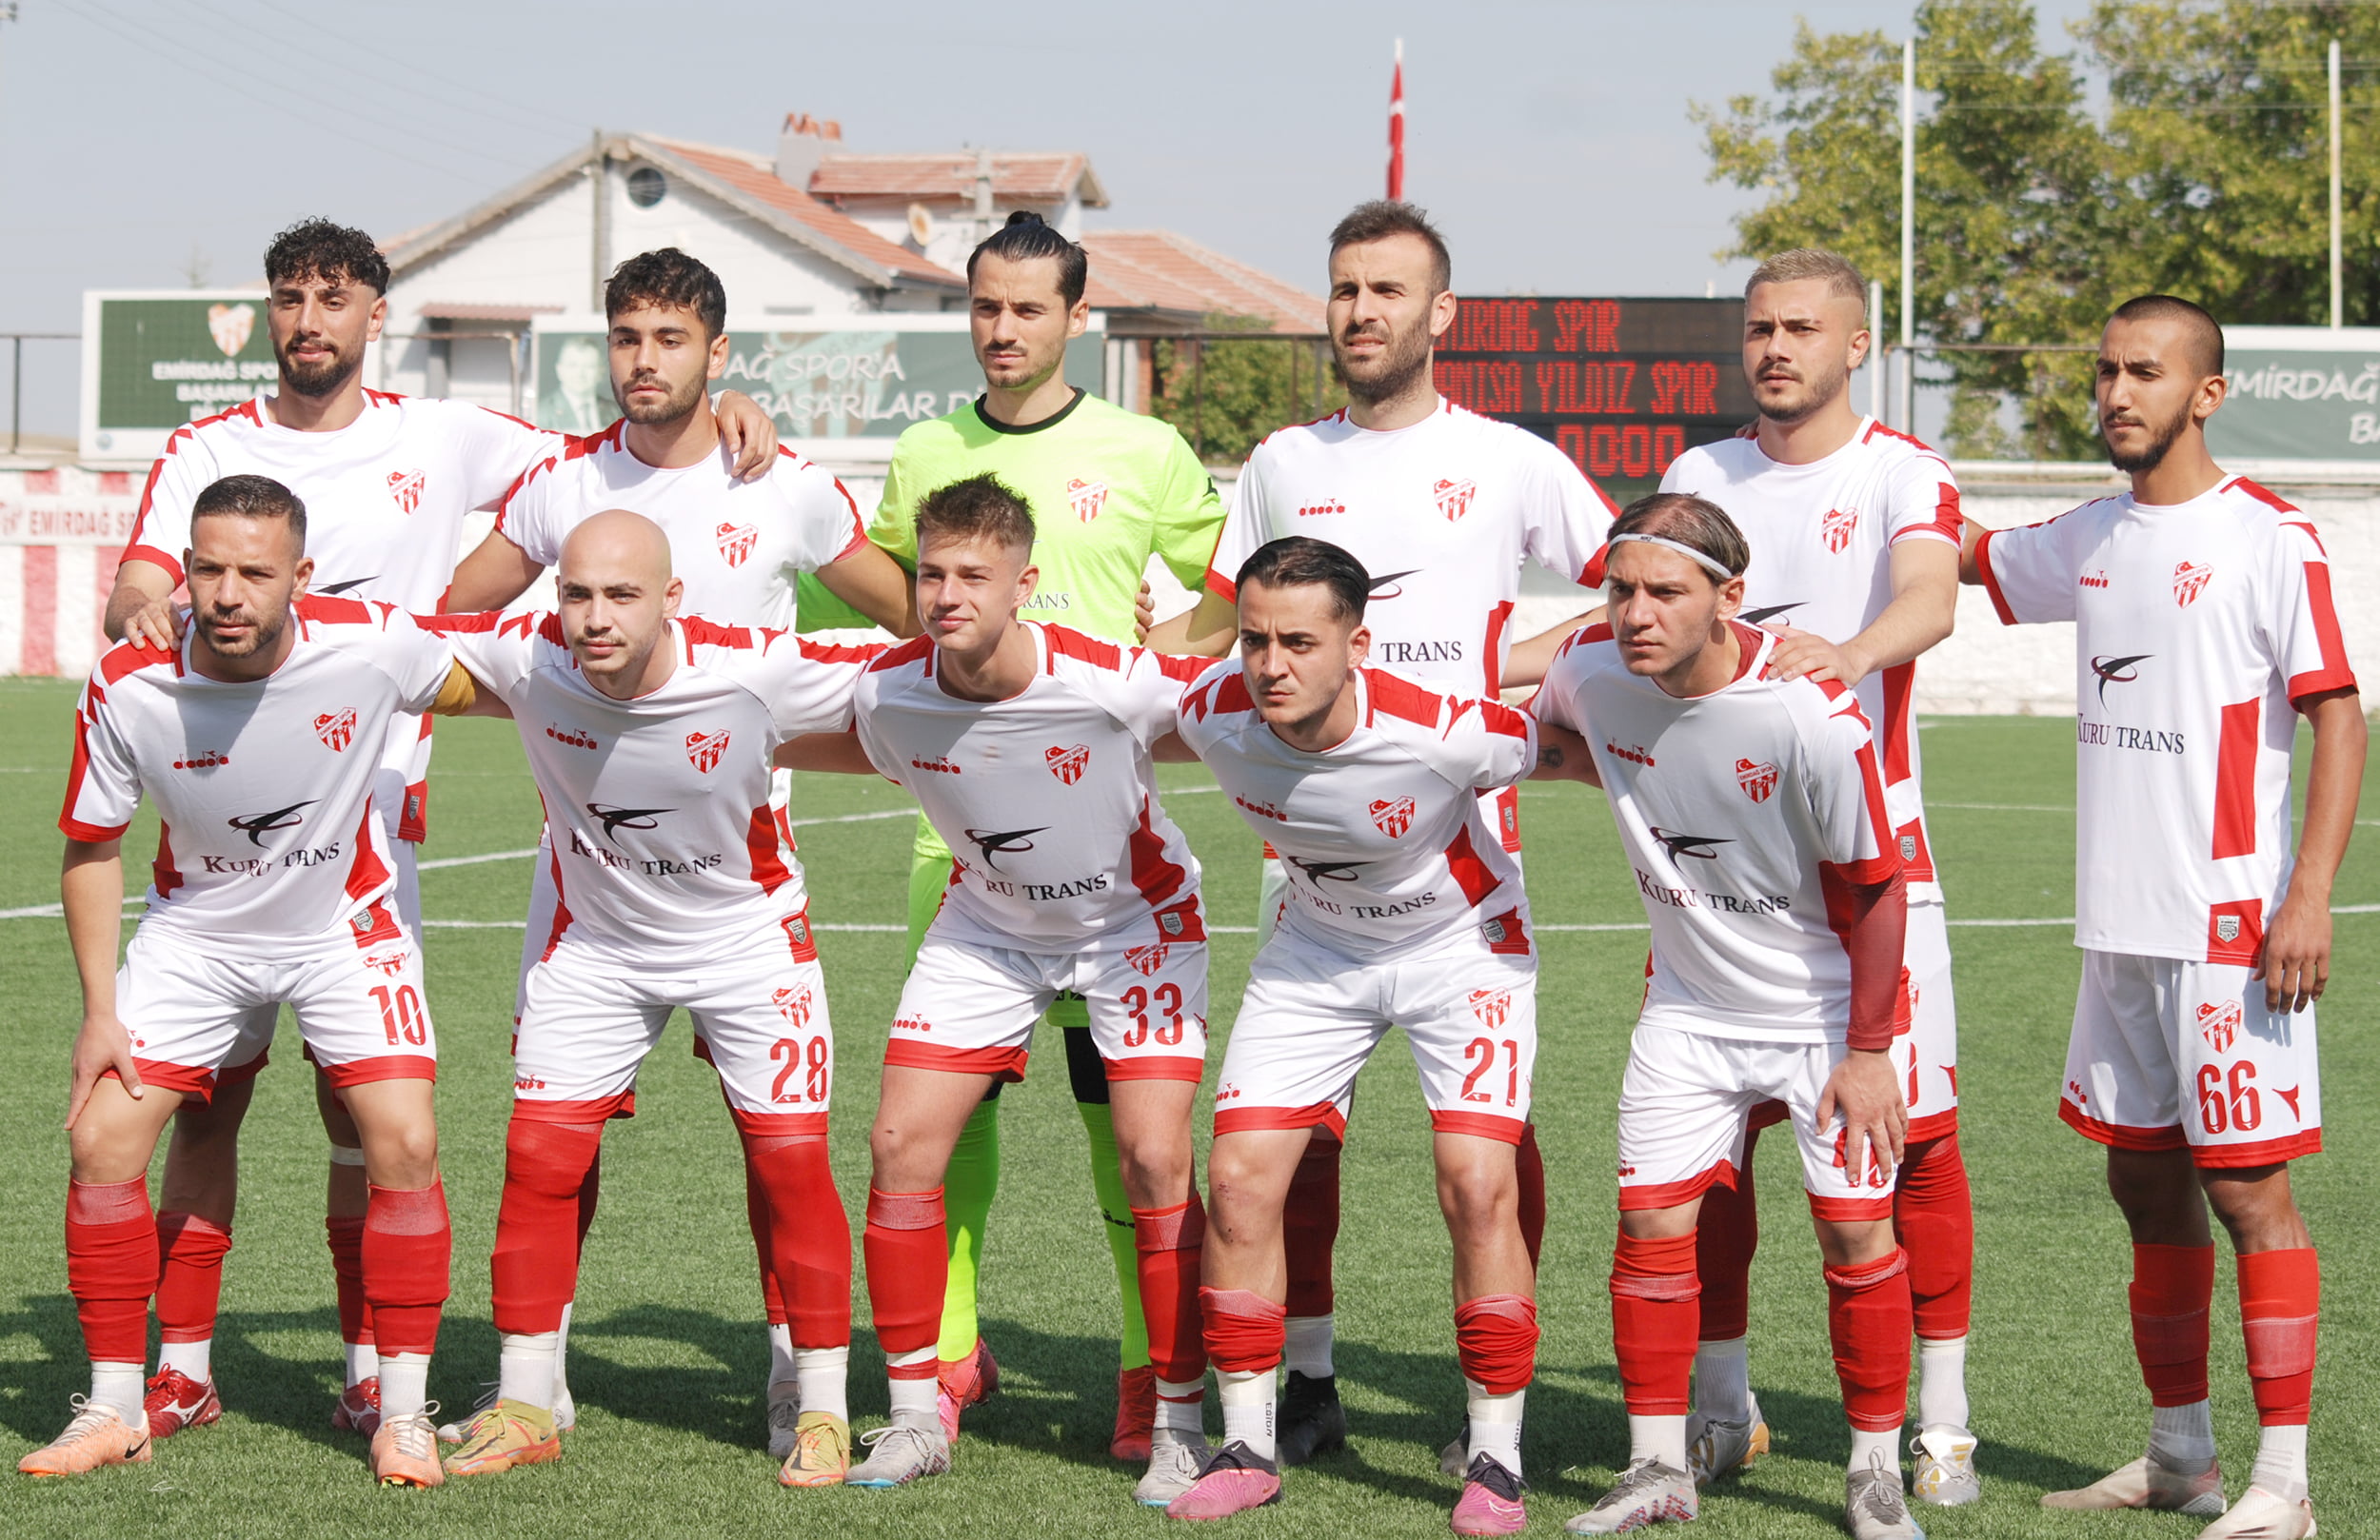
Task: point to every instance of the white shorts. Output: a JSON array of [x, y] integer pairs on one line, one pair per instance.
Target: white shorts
[[202, 1015], [970, 1009], [759, 1004], [1927, 1054], [1311, 1017], [2168, 1055], [1683, 1103]]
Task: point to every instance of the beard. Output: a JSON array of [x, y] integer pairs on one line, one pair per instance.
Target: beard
[[1808, 396], [260, 637], [316, 380], [679, 403], [1393, 370], [2150, 455]]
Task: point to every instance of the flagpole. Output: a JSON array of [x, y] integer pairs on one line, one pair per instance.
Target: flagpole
[[1397, 127]]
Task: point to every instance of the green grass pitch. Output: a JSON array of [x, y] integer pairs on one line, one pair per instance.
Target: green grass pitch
[[669, 1355]]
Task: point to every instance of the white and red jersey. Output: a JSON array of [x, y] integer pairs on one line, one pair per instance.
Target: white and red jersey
[[2196, 628], [267, 830], [1744, 813], [658, 805], [1822, 537], [1049, 799], [1442, 514], [738, 546], [385, 500], [1386, 838]]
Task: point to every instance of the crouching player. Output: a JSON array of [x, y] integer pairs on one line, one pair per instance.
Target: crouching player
[[258, 739], [1403, 908], [651, 739], [1753, 812]]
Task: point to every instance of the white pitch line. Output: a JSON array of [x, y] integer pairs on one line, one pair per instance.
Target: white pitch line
[[444, 862]]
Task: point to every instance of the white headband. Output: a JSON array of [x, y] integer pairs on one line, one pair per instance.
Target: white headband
[[1666, 543]]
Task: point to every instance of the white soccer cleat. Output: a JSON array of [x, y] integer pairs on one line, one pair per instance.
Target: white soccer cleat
[[1872, 1506], [2262, 1516], [785, 1419], [2148, 1483], [1717, 1448], [455, 1431], [898, 1454], [1943, 1467], [1174, 1469], [1648, 1493]]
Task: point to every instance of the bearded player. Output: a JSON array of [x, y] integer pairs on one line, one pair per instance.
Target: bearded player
[[2204, 631], [1752, 809], [1855, 528], [388, 481], [1442, 506]]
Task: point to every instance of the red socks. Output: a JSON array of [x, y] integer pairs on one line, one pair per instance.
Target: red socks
[[1654, 1317], [1496, 1341], [804, 1234], [111, 1266], [2172, 1287], [1935, 1221], [1171, 1243], [908, 1267], [2280, 1303], [190, 1284], [1727, 1233], [535, 1267], [755, 1213], [409, 1252], [1310, 1225], [1867, 1318], [1245, 1332], [345, 1234], [1530, 1162]]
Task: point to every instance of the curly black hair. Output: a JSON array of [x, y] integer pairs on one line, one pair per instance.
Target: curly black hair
[[318, 249]]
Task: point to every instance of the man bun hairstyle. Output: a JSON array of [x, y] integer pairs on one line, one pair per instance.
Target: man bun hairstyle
[[1383, 217], [333, 253], [1698, 523], [2206, 333], [1842, 279], [1027, 236], [980, 507], [252, 497], [668, 280], [1302, 562]]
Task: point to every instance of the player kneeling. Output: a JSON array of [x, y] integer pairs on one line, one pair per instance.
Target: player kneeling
[[1402, 908], [258, 739], [1754, 816], [651, 739]]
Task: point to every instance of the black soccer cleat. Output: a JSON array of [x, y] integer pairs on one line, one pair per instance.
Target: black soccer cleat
[[1312, 1421]]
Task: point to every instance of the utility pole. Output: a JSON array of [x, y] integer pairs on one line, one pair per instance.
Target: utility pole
[[599, 256], [1876, 354], [2338, 297], [1909, 235]]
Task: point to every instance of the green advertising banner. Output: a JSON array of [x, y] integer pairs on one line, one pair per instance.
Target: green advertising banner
[[163, 361], [2301, 394], [852, 382]]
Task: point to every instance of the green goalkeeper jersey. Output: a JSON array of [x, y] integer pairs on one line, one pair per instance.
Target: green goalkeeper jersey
[[1108, 489]]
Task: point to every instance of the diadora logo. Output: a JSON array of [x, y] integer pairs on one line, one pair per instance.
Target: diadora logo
[[405, 489], [1758, 780], [2094, 580], [1769, 612], [912, 1023], [265, 823], [793, 1004], [2117, 671], [1087, 497], [1145, 960], [1633, 753], [2289, 1094], [1491, 1006], [203, 759], [1392, 817], [2218, 1022], [336, 729], [527, 1082], [1318, 872], [704, 749], [1264, 810], [1325, 507], [1003, 841], [577, 738], [1454, 498], [1068, 764], [1390, 584], [1838, 526], [736, 542], [616, 818], [2188, 583], [938, 764], [1687, 844]]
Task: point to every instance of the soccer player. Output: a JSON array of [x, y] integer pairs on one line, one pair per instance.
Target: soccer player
[[1112, 490], [2204, 630], [259, 740], [1028, 745], [737, 548], [388, 480], [1751, 810], [1857, 527], [1442, 506], [1405, 909], [652, 738]]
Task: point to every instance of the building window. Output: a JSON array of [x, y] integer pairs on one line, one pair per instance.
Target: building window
[[647, 187]]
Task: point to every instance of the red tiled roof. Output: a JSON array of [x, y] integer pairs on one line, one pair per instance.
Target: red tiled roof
[[755, 177], [1019, 177], [1157, 269]]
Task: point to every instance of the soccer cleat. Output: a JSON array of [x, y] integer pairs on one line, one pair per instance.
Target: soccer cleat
[[405, 1450], [1135, 1415], [1715, 1448], [965, 1382], [899, 1453], [2260, 1514], [96, 1435], [1872, 1506], [1490, 1503], [506, 1434], [1648, 1493], [358, 1411], [785, 1419], [449, 1432], [2148, 1483], [1453, 1459], [175, 1401], [821, 1454], [1174, 1469], [1312, 1421], [1234, 1479], [1943, 1467]]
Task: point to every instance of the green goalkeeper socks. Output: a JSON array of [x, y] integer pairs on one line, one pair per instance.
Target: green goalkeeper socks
[[967, 1189], [1107, 1179]]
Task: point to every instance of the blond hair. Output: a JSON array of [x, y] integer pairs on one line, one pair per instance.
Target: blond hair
[[1841, 278]]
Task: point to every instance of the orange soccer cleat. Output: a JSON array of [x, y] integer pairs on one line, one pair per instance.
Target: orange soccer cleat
[[97, 1435]]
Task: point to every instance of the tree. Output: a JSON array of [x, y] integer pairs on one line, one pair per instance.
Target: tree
[[1243, 390]]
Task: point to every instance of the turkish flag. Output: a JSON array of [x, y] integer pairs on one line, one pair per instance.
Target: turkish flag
[[1397, 127]]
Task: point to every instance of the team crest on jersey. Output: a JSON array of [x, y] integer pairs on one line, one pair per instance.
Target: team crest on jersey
[[230, 326], [1454, 498], [1908, 847], [1491, 1006], [1758, 780], [1170, 922], [336, 729], [704, 749], [391, 963], [405, 489], [1838, 526], [1394, 817], [2227, 927], [1145, 960], [793, 1004], [2218, 1022], [736, 542], [1068, 764], [1087, 497], [2188, 583]]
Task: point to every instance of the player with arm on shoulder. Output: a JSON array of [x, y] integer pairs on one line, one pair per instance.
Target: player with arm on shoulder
[[1751, 807], [2204, 630], [1857, 527], [257, 738], [1442, 506]]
